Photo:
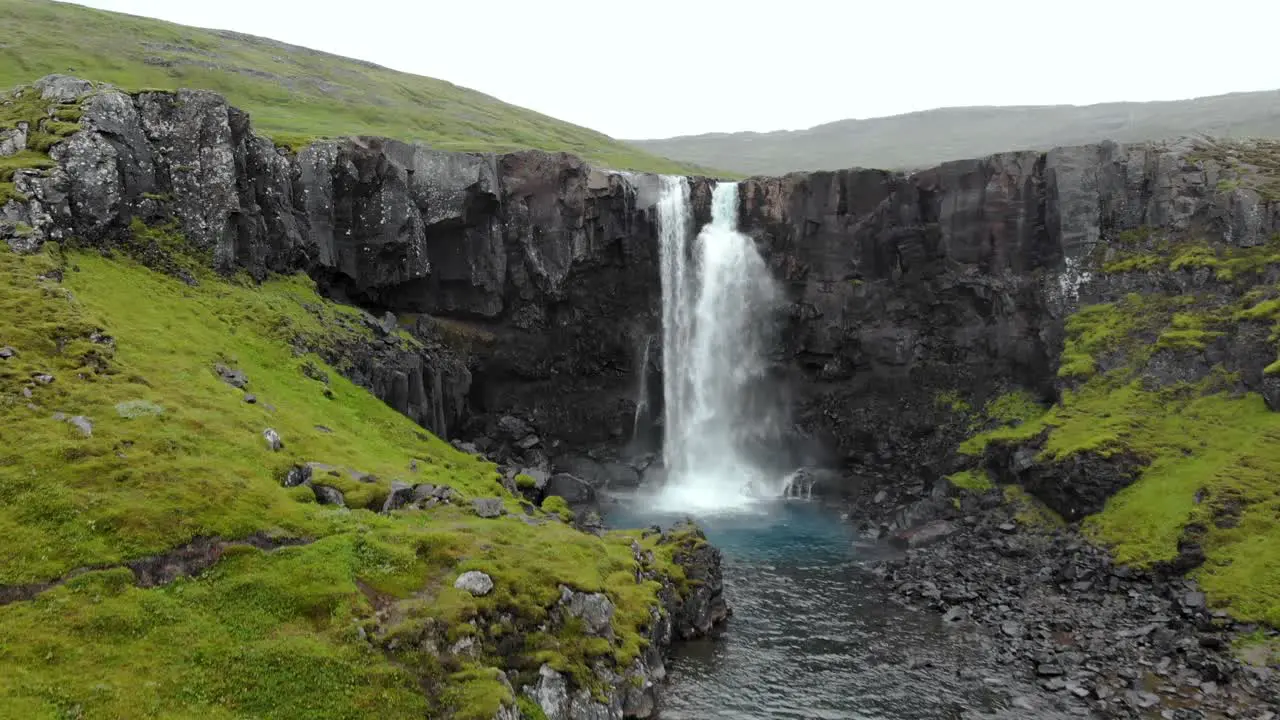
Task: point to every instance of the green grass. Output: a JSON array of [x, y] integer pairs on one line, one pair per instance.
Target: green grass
[[177, 454], [293, 94], [1211, 456]]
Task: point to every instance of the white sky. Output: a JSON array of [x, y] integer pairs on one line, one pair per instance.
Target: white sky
[[656, 68]]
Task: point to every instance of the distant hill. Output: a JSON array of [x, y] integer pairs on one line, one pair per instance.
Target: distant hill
[[293, 93], [926, 138]]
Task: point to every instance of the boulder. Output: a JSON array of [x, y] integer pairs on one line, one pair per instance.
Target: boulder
[[62, 88], [14, 140], [273, 439], [297, 475], [513, 429], [475, 582], [488, 507], [234, 378], [926, 534], [326, 495], [83, 424], [583, 468], [401, 494], [572, 489], [593, 609]]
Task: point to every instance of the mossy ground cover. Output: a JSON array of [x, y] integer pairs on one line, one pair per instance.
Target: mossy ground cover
[[176, 453], [47, 125], [1211, 453], [294, 94]]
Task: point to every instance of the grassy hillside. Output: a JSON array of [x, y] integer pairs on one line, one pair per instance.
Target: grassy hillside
[[121, 442], [1210, 453], [925, 139], [293, 93]]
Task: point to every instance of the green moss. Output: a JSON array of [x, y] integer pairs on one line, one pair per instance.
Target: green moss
[[1208, 456], [525, 482], [478, 694], [529, 710], [973, 480], [25, 160], [8, 191], [260, 631], [47, 125], [1014, 408], [953, 401], [1133, 262], [557, 505], [1030, 511]]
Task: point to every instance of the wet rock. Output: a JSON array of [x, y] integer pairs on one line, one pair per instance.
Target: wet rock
[[7, 352], [1049, 670], [584, 468], [401, 494], [475, 582], [326, 495], [1011, 629], [43, 378], [488, 507], [924, 535], [621, 476], [251, 398], [425, 491], [273, 439], [1193, 601], [513, 429], [955, 614], [574, 490]]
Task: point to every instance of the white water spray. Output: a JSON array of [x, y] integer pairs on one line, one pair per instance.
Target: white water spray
[[717, 298]]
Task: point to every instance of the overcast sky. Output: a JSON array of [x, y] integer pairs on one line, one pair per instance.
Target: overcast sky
[[656, 68]]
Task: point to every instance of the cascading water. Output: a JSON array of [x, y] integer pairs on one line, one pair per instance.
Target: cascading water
[[718, 298]]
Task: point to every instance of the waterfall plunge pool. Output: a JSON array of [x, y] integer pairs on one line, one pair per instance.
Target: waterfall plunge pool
[[811, 635]]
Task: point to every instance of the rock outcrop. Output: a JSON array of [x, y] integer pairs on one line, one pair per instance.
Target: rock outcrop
[[534, 277]]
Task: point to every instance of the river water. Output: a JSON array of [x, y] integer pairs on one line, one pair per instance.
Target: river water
[[811, 635]]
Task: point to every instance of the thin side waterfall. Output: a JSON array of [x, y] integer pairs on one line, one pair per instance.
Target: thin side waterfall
[[718, 296], [642, 419]]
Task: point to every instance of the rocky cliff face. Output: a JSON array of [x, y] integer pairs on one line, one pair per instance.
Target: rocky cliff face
[[536, 277], [959, 279], [540, 271]]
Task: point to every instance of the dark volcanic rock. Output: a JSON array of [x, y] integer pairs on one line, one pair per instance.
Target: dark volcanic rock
[[1057, 617], [572, 489], [924, 535]]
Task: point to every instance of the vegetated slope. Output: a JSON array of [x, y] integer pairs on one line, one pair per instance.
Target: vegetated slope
[[127, 457], [924, 139], [1154, 395], [293, 93]]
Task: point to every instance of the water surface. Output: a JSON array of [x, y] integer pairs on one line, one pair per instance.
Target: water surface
[[812, 636]]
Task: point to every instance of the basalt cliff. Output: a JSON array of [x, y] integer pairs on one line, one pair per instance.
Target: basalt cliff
[[1085, 323]]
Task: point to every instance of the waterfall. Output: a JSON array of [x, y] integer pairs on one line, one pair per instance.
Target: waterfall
[[642, 423], [718, 296]]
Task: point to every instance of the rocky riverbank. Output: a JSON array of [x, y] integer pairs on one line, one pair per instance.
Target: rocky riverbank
[[1078, 633]]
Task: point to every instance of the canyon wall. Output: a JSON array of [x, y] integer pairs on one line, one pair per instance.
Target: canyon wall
[[533, 281]]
